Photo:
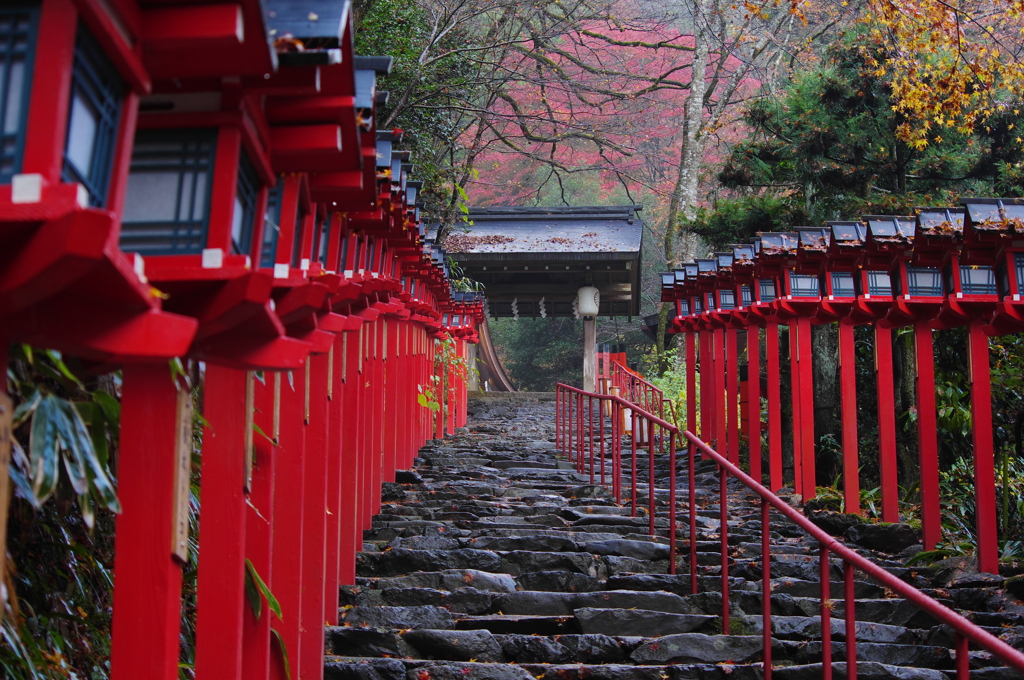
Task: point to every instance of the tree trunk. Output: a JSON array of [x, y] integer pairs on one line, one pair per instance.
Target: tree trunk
[[826, 401], [905, 377], [684, 193]]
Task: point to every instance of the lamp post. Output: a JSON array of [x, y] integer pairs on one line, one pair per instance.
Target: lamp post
[[589, 300]]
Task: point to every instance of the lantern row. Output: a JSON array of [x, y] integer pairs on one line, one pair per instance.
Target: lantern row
[[208, 181], [942, 268]]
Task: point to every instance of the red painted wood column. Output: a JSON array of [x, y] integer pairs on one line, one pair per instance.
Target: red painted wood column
[[220, 587], [366, 475], [286, 583], [848, 408], [754, 402], [147, 576], [886, 424], [314, 519], [258, 525], [351, 469], [389, 393], [335, 434], [464, 384], [984, 450], [798, 412], [774, 399], [376, 412], [927, 436], [805, 344], [691, 381], [405, 384], [706, 371], [718, 409], [732, 393]]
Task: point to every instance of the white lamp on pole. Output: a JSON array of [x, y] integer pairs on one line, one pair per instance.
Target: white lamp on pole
[[588, 300]]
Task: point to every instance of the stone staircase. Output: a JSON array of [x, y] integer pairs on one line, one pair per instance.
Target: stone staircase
[[495, 560]]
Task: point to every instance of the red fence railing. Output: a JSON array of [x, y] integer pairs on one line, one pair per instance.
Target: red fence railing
[[580, 433], [634, 389]]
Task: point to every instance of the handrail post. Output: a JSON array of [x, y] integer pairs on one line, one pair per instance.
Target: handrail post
[[826, 615], [766, 589], [672, 503], [579, 434], [851, 621], [723, 532], [692, 493], [600, 420], [635, 419], [650, 477], [590, 435]]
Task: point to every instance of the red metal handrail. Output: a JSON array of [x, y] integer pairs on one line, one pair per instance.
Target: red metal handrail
[[965, 630], [576, 437], [637, 390], [575, 434]]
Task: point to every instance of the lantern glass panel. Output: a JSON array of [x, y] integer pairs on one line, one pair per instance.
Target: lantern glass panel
[[711, 301], [726, 299], [243, 219], [1003, 279], [271, 230], [1018, 261], [924, 281], [977, 280], [879, 284], [698, 305], [17, 52], [297, 255], [684, 308], [93, 117], [746, 295], [766, 289], [166, 206], [842, 284], [804, 285]]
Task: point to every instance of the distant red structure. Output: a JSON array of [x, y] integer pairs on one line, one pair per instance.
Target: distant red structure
[[207, 181], [942, 268]]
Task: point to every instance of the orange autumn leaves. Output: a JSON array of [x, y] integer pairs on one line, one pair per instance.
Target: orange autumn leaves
[[953, 64]]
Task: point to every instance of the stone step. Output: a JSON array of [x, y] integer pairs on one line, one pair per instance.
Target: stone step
[[495, 559]]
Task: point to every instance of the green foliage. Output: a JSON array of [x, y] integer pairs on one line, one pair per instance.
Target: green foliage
[[828, 145], [63, 455], [427, 95], [737, 220], [957, 489], [540, 353], [57, 622], [672, 384], [447, 365], [257, 590], [460, 282]]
